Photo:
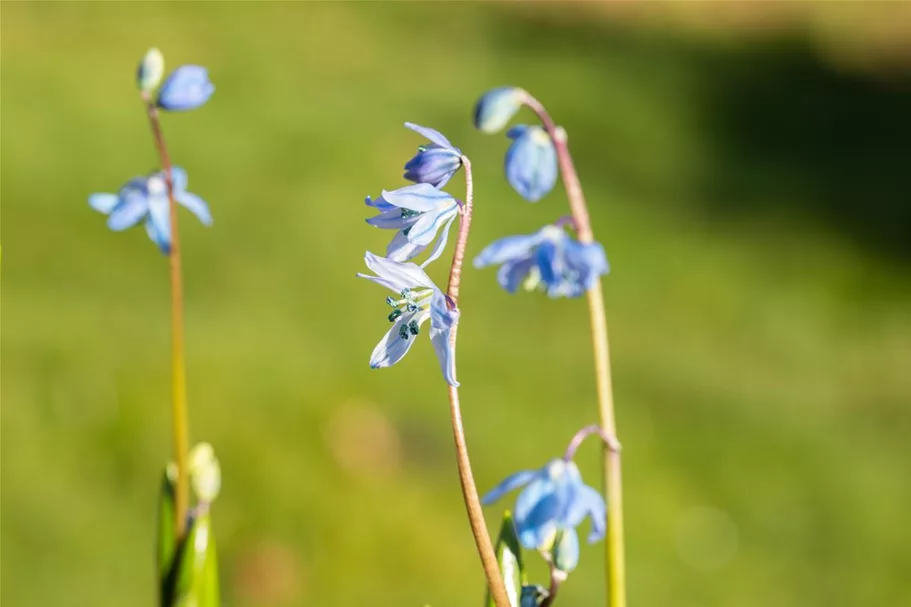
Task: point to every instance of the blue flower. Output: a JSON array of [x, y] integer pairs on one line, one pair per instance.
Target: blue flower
[[554, 502], [496, 108], [418, 300], [419, 212], [146, 199], [435, 163], [548, 260], [187, 88], [531, 162]]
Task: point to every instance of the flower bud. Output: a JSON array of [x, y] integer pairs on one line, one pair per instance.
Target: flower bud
[[533, 595], [565, 553], [531, 162], [496, 108], [187, 88], [150, 70], [205, 472]]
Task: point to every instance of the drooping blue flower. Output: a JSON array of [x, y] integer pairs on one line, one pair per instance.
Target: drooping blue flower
[[496, 108], [549, 260], [554, 501], [418, 300], [531, 162], [146, 199], [419, 213], [435, 163], [187, 88]]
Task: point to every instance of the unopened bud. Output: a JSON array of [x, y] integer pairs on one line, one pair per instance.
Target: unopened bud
[[150, 70], [205, 472]]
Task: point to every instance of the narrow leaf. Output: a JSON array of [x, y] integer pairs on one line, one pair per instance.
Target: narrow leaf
[[197, 571], [509, 558], [167, 542]]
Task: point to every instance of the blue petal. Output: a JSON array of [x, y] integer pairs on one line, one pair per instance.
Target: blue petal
[[511, 482], [548, 260], [513, 273], [401, 249], [587, 260], [195, 205], [588, 502], [537, 527], [391, 220], [431, 134], [540, 489], [507, 249], [187, 87], [392, 348], [425, 228], [531, 164], [441, 242], [164, 243], [379, 204], [421, 197], [179, 179], [442, 322], [104, 203], [129, 212], [395, 275], [160, 218]]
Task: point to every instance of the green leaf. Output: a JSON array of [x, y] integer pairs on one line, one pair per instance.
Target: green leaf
[[167, 542], [197, 571], [509, 558]]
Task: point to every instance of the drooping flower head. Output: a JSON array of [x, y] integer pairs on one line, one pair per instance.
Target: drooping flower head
[[531, 162], [496, 108], [146, 199], [548, 260], [436, 162], [187, 88], [417, 300], [420, 214], [552, 504]]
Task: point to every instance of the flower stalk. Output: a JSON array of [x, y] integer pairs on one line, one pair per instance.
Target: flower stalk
[[613, 486], [466, 478], [181, 440]]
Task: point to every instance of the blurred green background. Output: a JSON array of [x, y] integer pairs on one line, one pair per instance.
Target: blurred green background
[[747, 169]]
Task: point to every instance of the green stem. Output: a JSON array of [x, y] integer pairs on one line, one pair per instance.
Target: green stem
[[613, 486], [178, 368], [466, 478]]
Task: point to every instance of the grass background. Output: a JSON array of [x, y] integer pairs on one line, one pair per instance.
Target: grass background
[[750, 186]]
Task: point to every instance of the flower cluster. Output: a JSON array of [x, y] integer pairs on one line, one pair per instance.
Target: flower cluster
[[147, 199], [550, 259], [421, 216]]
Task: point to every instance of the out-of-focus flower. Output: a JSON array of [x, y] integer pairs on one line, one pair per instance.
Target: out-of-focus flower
[[531, 162], [554, 501], [146, 199], [435, 163], [496, 108], [205, 472], [547, 260], [533, 595], [187, 88], [418, 300], [150, 70], [418, 212]]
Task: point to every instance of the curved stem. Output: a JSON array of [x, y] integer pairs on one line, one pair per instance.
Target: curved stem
[[466, 479], [178, 368], [613, 486]]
